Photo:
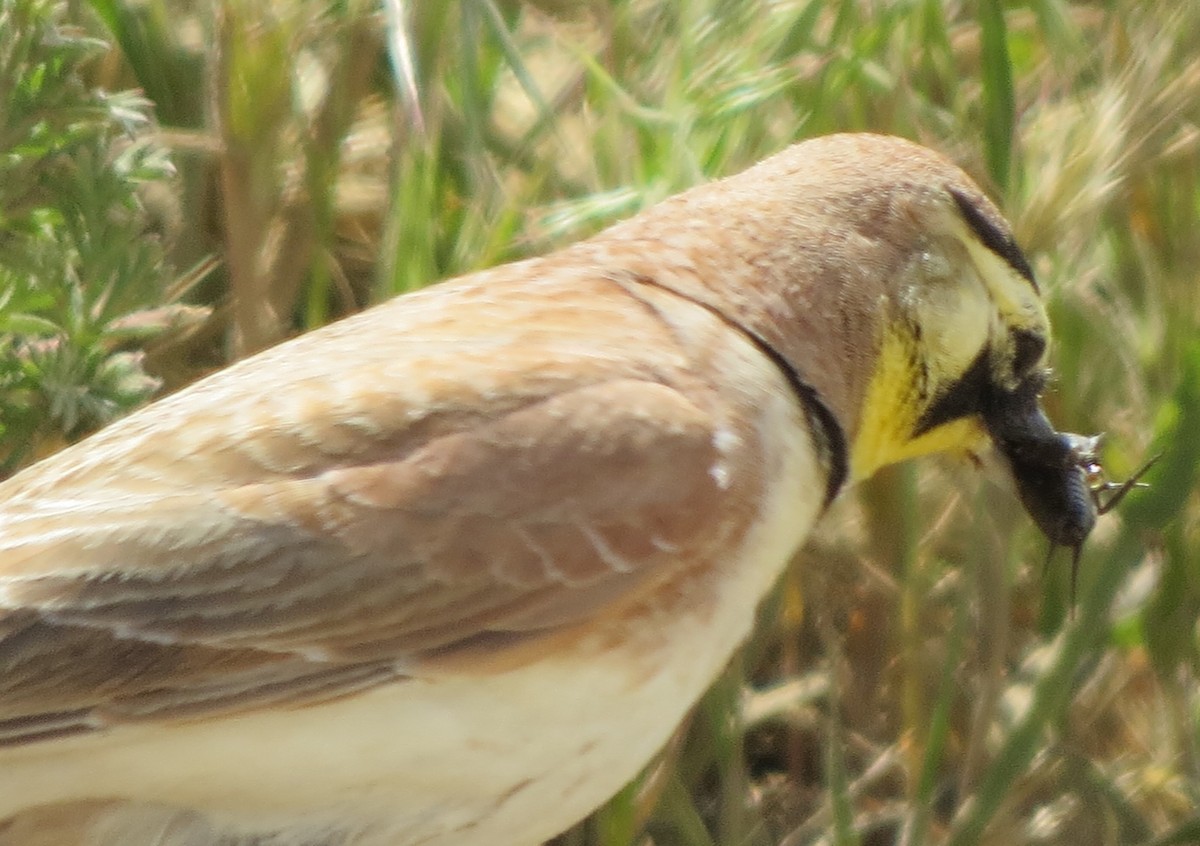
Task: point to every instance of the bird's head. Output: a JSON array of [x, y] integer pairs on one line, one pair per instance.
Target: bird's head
[[958, 324], [882, 276]]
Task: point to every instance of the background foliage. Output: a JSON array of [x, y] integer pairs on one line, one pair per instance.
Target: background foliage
[[917, 677]]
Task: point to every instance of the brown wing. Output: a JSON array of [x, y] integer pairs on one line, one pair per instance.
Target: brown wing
[[121, 604]]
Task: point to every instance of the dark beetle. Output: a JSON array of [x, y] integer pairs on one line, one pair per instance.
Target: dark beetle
[[1059, 476]]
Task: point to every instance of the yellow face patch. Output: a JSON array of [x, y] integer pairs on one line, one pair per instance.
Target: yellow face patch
[[895, 400], [957, 300]]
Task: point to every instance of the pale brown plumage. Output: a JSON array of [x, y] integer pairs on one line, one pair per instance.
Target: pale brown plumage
[[566, 463], [386, 506]]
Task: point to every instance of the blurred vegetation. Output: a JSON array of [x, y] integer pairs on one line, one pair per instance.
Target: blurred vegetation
[[77, 262], [917, 677]]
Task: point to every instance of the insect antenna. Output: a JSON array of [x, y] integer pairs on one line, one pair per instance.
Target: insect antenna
[[1076, 553], [1049, 555]]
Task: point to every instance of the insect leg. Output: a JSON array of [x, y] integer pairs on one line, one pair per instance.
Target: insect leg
[[1121, 488]]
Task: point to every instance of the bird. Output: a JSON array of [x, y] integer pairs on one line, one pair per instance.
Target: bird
[[453, 570]]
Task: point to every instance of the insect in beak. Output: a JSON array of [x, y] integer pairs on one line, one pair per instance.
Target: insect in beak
[[1084, 452], [1058, 475]]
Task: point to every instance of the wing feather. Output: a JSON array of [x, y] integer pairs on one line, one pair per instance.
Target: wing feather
[[318, 517], [296, 589]]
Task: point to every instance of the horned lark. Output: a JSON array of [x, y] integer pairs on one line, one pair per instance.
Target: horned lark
[[452, 570]]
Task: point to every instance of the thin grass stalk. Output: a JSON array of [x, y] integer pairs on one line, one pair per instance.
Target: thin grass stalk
[[916, 827], [837, 778], [999, 102]]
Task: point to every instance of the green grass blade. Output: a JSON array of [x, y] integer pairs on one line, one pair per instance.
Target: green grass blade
[[999, 103]]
